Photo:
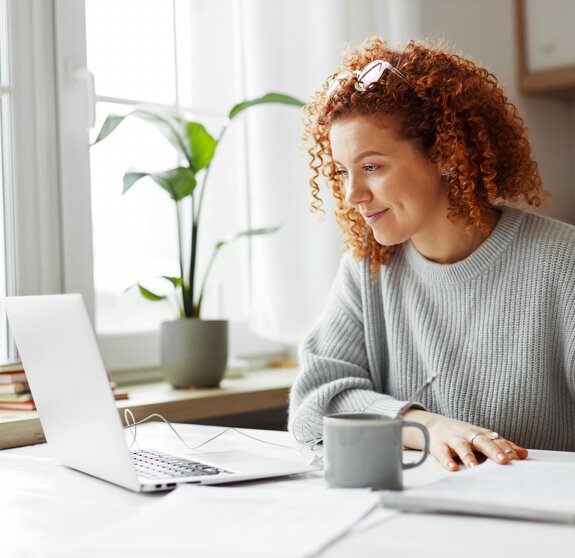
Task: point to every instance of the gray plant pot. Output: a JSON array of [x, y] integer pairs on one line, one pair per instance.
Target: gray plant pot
[[194, 352]]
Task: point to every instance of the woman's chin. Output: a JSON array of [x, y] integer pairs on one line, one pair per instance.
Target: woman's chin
[[388, 239]]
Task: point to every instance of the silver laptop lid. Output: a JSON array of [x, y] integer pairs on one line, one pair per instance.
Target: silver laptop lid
[[70, 385]]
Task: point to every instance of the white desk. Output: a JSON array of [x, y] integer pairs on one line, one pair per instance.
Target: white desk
[[44, 506]]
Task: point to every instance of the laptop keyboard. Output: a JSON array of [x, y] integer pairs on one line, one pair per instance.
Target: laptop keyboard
[[155, 465]]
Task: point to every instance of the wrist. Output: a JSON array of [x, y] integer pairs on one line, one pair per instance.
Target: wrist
[[412, 438], [417, 415]]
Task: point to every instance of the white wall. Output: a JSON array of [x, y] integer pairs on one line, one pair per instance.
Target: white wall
[[486, 32]]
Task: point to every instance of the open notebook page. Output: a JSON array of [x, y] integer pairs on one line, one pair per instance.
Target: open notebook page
[[537, 490]]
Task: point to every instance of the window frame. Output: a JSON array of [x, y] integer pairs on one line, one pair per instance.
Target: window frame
[[31, 181], [34, 149]]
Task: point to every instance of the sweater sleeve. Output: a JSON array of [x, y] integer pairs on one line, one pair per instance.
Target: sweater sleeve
[[568, 307], [339, 373]]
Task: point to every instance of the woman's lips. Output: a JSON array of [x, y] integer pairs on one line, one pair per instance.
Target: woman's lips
[[372, 218]]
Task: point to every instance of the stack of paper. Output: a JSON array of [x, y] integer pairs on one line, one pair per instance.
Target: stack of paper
[[239, 522], [538, 490]]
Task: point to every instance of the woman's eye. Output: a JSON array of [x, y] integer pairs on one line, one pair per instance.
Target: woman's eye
[[370, 168], [341, 173]]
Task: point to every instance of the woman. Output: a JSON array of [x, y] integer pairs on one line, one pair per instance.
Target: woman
[[423, 154]]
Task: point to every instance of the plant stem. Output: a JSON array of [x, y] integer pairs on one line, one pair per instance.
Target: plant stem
[[181, 251], [190, 311], [193, 313], [195, 222], [203, 288], [207, 173]]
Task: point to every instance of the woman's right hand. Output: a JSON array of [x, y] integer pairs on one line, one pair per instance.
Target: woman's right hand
[[451, 439]]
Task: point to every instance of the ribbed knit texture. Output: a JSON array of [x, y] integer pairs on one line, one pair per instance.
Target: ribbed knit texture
[[498, 328]]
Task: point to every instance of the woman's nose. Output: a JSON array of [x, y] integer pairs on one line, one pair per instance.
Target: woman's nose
[[356, 191]]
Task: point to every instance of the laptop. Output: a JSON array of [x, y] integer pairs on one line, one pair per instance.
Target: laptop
[[81, 421]]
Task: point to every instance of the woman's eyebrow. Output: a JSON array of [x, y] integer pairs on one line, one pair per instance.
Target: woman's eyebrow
[[367, 154], [363, 155]]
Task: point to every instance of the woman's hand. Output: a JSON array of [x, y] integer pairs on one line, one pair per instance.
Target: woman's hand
[[451, 439]]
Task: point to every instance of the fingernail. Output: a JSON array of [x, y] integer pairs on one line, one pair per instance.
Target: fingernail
[[501, 456], [473, 464], [451, 464]]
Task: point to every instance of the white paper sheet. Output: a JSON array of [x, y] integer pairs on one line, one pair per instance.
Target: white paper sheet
[[234, 521], [522, 489]]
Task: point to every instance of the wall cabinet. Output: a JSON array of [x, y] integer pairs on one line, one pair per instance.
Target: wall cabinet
[[546, 37]]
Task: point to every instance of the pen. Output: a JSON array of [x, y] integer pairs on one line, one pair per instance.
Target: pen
[[412, 399]]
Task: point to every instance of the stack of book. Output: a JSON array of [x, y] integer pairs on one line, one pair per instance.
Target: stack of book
[[118, 393], [15, 392]]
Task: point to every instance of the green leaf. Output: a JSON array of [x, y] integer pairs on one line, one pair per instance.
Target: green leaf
[[172, 127], [179, 182], [247, 232], [131, 177], [176, 281], [146, 293], [110, 124], [149, 295], [202, 145], [268, 98]]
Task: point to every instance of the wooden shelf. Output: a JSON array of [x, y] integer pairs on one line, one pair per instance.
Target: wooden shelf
[[262, 390]]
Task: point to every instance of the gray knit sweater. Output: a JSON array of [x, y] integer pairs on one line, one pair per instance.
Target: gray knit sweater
[[498, 328]]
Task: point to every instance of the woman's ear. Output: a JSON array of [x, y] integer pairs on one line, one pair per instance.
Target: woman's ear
[[447, 173]]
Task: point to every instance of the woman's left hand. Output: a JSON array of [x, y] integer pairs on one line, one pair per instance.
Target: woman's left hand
[[452, 439]]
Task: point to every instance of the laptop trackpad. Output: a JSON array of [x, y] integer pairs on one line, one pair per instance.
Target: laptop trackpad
[[223, 457], [245, 463]]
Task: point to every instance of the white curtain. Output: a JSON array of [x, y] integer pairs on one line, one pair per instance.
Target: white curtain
[[291, 46]]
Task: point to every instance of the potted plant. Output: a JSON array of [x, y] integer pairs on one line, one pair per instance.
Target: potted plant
[[193, 350]]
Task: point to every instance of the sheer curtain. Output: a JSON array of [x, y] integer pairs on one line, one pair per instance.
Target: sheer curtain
[[291, 46]]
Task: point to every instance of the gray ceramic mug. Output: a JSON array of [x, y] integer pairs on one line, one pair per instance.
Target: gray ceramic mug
[[366, 450]]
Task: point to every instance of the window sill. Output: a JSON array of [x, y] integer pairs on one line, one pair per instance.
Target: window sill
[[262, 390]]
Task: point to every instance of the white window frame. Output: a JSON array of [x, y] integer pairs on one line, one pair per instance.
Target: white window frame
[[32, 196], [34, 149], [73, 107], [31, 193]]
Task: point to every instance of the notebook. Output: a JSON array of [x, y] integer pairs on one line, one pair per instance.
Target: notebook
[[530, 489], [81, 422]]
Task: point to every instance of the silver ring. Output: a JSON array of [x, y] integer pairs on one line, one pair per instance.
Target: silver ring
[[508, 451], [474, 436], [494, 435]]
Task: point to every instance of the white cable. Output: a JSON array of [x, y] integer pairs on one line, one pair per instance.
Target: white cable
[[132, 423]]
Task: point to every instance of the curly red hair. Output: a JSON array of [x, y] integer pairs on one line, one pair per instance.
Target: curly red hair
[[449, 107]]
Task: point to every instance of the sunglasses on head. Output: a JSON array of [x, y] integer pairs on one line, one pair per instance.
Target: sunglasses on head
[[368, 75]]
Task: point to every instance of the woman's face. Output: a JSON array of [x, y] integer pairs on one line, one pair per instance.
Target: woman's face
[[398, 190]]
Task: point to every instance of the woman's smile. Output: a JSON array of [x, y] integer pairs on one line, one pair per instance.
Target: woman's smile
[[371, 217]]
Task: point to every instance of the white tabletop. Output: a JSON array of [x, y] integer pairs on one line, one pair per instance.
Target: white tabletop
[[45, 506]]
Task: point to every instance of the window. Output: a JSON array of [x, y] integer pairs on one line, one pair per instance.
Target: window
[[134, 235]]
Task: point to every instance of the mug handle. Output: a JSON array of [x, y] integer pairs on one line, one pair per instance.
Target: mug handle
[[425, 433]]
